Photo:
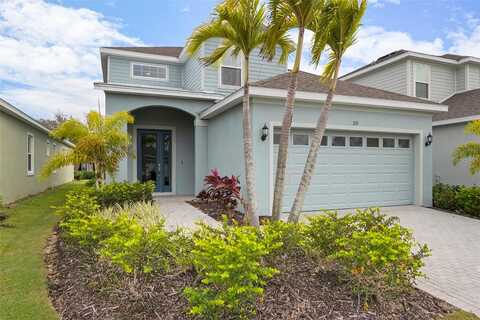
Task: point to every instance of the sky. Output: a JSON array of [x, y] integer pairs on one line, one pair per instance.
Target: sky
[[49, 49]]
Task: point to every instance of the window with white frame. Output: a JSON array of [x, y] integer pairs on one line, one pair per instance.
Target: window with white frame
[[388, 142], [30, 154], [339, 141], [356, 142], [373, 142], [231, 71], [324, 141], [403, 143], [149, 71], [422, 80], [47, 151], [276, 138]]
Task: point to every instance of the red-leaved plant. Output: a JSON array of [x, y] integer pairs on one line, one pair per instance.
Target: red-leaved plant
[[225, 190]]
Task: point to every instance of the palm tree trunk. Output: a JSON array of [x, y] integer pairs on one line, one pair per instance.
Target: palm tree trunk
[[251, 203], [285, 132], [313, 152]]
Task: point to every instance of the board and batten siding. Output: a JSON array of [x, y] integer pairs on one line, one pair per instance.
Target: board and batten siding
[[15, 183], [120, 72], [391, 78], [259, 68]]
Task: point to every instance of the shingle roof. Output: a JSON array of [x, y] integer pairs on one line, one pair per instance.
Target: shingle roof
[[163, 51], [310, 82], [460, 105]]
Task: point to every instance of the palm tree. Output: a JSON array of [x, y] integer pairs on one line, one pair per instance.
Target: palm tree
[[100, 141], [286, 15], [240, 24], [469, 150], [336, 27]]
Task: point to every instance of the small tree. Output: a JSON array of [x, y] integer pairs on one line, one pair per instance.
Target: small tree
[[469, 150], [57, 120], [101, 142]]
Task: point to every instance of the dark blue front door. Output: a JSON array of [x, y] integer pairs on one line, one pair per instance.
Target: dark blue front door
[[154, 158]]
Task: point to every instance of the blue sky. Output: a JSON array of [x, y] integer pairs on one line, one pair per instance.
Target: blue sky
[[49, 48]]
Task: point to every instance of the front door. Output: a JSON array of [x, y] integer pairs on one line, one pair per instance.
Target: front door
[[154, 158]]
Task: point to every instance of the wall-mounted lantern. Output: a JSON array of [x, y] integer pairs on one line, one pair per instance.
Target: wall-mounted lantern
[[264, 132], [429, 140]]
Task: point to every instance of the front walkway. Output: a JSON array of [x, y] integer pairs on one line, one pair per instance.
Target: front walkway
[[179, 214], [453, 270]]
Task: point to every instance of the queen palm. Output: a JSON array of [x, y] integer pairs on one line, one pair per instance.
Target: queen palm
[[286, 15], [469, 150], [240, 24], [336, 27]]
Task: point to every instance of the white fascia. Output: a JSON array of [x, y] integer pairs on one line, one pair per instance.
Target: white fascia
[[235, 97], [455, 120], [139, 55]]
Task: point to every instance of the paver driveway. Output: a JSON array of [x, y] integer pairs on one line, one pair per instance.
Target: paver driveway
[[453, 270]]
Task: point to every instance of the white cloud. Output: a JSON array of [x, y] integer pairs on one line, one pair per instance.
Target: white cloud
[[50, 53], [466, 43], [382, 3]]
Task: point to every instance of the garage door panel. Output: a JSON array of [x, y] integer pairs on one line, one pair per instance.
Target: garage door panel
[[349, 177]]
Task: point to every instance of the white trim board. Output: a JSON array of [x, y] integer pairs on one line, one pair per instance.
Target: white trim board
[[235, 97], [151, 91], [455, 120], [419, 146], [139, 55], [135, 129]]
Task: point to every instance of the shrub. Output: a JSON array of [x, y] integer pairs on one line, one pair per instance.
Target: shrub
[[124, 193], [290, 236], [230, 264], [370, 249], [144, 213], [444, 196], [88, 231], [78, 204], [84, 175], [468, 200], [225, 190]]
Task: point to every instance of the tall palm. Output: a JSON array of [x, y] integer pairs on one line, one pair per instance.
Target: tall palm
[[337, 27], [101, 141], [469, 150], [286, 15], [240, 24]]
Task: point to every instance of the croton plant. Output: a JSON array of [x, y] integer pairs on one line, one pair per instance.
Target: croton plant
[[225, 190]]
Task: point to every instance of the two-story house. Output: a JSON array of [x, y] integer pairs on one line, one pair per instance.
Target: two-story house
[[449, 79], [188, 120]]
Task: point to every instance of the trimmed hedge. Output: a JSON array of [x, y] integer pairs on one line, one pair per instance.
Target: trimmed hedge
[[124, 193], [460, 199]]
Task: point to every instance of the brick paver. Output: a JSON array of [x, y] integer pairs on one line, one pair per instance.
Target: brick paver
[[453, 270]]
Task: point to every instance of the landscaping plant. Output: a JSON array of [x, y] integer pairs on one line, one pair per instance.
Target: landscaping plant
[[445, 196], [469, 150], [468, 200], [230, 263], [124, 193], [225, 190]]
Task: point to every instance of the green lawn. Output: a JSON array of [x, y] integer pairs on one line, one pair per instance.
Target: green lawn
[[461, 315], [23, 286]]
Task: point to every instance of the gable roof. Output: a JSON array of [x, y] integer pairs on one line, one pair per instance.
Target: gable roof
[[448, 58], [461, 105], [310, 82]]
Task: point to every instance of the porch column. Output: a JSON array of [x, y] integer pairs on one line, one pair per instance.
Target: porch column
[[201, 153]]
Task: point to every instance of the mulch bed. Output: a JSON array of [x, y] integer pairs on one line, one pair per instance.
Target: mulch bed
[[83, 288], [217, 211]]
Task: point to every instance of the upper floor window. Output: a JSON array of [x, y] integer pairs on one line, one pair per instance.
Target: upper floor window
[[422, 80], [30, 155], [231, 71], [149, 71]]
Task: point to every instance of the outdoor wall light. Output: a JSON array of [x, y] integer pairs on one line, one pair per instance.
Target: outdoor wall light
[[264, 132], [429, 140]]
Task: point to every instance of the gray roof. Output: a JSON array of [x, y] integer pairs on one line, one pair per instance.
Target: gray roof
[[162, 51], [460, 105], [311, 83]]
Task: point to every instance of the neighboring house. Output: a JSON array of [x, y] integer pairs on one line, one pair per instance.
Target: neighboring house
[[449, 79], [25, 145], [188, 120]]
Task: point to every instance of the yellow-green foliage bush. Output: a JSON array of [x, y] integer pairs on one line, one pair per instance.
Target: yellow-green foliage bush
[[230, 262], [374, 251], [121, 193]]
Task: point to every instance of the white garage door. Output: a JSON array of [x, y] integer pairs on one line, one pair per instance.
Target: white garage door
[[353, 170]]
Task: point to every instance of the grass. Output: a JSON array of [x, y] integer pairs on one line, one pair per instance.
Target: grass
[[23, 285], [461, 315]]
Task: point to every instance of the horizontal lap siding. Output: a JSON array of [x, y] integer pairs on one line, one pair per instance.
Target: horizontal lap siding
[[473, 77], [460, 78], [120, 72], [442, 82], [391, 78]]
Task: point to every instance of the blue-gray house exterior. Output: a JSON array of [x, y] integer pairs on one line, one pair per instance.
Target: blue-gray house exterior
[[375, 153]]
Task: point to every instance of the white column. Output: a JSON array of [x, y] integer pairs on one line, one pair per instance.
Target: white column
[[201, 153]]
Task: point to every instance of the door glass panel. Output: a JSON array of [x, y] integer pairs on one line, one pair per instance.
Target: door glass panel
[[149, 157], [166, 162]]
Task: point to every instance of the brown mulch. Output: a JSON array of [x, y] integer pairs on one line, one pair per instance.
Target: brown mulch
[[217, 211], [83, 288]]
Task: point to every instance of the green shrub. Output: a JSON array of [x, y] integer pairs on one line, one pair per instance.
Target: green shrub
[[146, 214], [78, 204], [137, 249], [370, 249], [88, 231], [84, 175], [468, 200], [233, 274], [444, 196], [124, 192], [289, 235]]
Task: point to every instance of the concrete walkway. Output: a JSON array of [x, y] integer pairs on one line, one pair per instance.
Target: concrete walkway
[[179, 214], [453, 269]]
